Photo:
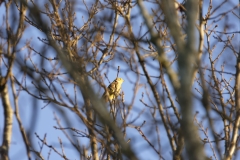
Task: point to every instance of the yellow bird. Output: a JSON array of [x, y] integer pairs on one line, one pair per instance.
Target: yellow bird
[[113, 90]]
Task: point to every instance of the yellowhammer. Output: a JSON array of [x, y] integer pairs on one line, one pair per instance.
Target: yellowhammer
[[113, 90]]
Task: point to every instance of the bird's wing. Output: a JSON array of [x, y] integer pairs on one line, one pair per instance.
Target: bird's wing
[[112, 87]]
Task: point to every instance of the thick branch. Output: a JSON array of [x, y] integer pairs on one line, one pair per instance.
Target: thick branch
[[8, 120]]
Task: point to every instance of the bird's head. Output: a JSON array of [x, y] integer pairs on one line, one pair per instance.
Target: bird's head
[[119, 80]]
